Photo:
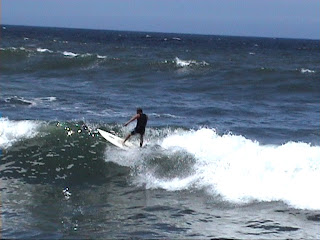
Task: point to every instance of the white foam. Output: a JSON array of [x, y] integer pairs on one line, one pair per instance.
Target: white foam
[[70, 54], [16, 99], [101, 57], [86, 55], [13, 131], [44, 101], [42, 50], [124, 158], [183, 63], [165, 115], [14, 49], [186, 63], [32, 101], [241, 170], [305, 70], [49, 99], [176, 184]]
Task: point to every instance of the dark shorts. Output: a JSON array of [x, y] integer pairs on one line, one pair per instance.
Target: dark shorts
[[138, 130]]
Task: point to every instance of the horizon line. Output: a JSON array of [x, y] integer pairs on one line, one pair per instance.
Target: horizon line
[[140, 31]]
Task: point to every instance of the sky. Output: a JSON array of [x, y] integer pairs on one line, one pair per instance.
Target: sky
[[259, 18]]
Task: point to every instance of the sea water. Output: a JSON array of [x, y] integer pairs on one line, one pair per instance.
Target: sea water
[[231, 147]]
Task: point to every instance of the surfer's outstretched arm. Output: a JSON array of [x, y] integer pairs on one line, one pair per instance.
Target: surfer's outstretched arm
[[132, 119]]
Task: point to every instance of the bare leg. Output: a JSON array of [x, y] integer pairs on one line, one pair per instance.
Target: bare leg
[[126, 139]]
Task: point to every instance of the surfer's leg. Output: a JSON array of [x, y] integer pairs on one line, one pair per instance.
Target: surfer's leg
[[141, 140], [130, 134]]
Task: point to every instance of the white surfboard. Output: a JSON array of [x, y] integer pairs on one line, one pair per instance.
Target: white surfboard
[[115, 140]]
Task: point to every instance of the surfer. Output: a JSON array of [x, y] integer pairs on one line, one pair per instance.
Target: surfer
[[141, 125]]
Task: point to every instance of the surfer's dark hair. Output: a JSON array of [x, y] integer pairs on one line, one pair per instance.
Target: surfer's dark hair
[[139, 110]]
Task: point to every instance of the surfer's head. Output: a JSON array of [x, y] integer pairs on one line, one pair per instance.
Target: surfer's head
[[139, 110]]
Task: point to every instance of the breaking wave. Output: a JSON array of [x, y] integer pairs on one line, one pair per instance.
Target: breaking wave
[[232, 167]]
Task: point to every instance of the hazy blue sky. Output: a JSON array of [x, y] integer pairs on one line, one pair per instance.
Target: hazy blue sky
[[265, 18]]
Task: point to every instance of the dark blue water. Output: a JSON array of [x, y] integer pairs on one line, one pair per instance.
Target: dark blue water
[[232, 143]]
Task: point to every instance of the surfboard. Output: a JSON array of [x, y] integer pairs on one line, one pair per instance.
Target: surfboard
[[115, 140]]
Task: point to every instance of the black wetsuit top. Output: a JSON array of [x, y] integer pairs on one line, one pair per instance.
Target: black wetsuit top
[[141, 124]]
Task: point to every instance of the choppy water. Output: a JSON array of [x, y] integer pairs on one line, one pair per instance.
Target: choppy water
[[232, 144]]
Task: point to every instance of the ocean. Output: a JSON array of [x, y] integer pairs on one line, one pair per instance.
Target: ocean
[[231, 147]]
